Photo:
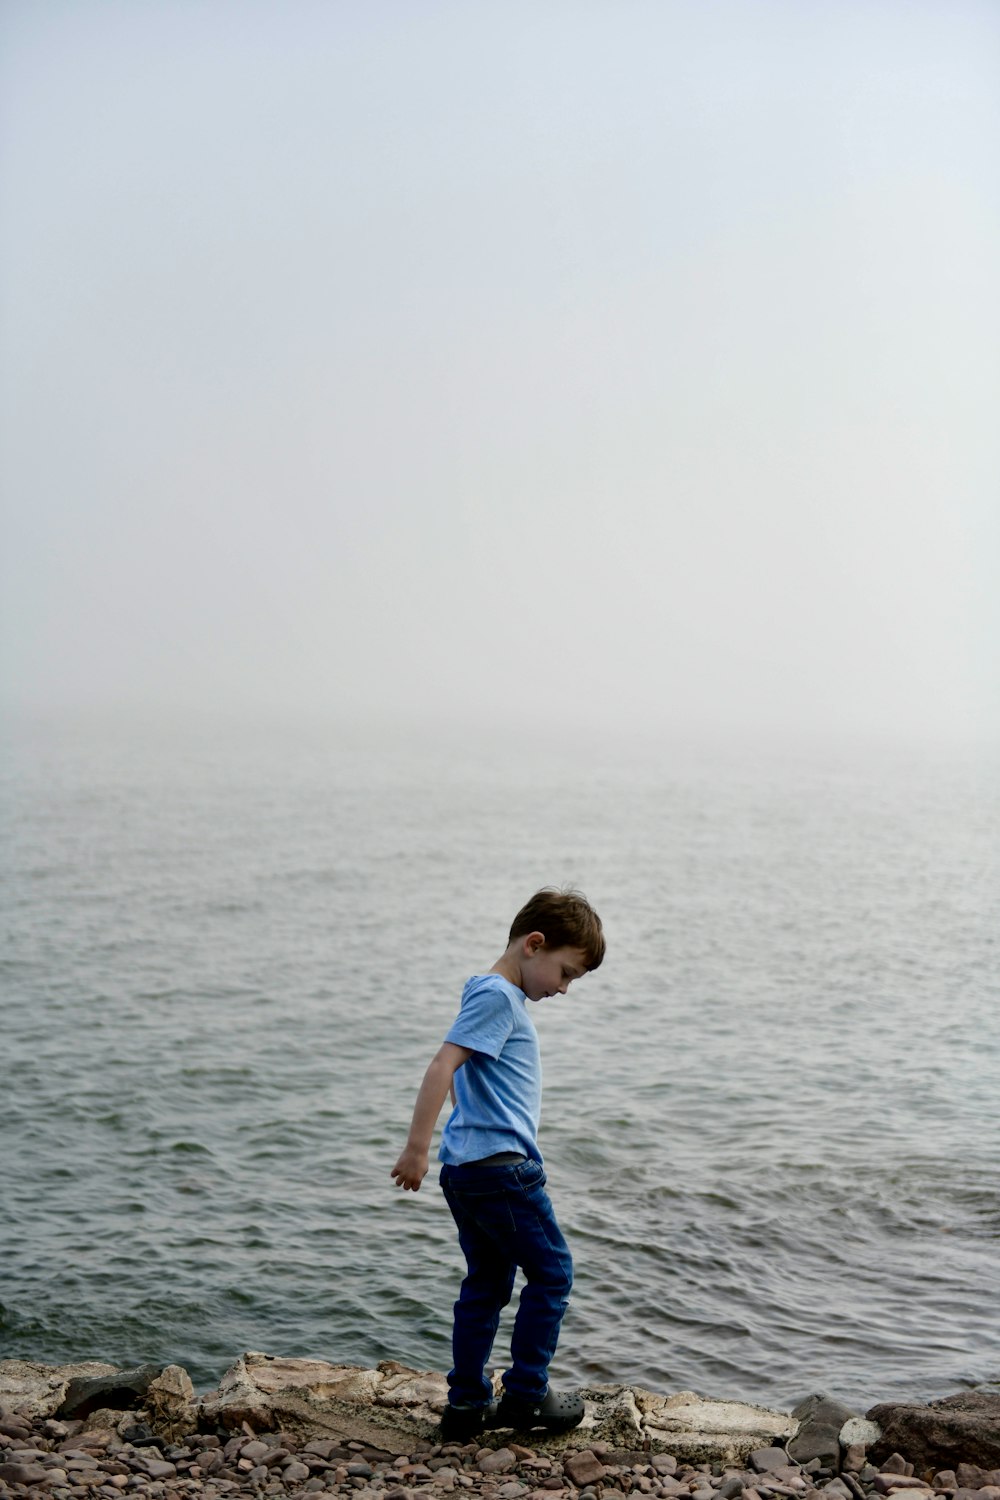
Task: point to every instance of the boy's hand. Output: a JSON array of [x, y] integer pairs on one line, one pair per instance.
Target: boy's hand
[[411, 1169]]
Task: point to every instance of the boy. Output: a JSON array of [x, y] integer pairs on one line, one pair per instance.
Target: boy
[[492, 1173]]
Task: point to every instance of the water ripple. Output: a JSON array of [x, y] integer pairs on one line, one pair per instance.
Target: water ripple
[[769, 1118]]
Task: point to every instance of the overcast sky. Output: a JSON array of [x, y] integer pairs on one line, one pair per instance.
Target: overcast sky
[[571, 364]]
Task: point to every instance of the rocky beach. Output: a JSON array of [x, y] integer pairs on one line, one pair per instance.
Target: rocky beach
[[277, 1427]]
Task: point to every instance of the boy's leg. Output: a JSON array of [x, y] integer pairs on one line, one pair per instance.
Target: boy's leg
[[545, 1259], [485, 1291]]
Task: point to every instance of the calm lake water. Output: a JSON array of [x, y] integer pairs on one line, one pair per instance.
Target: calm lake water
[[771, 1119]]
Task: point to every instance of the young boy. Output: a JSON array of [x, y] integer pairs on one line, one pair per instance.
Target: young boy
[[492, 1173]]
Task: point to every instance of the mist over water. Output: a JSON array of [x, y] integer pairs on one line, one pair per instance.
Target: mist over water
[[770, 1119]]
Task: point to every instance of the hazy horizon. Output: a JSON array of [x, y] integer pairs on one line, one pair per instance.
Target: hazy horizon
[[624, 368]]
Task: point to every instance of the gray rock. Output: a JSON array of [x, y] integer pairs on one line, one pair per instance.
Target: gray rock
[[159, 1468], [124, 1390], [820, 1420], [768, 1460], [858, 1431], [23, 1473]]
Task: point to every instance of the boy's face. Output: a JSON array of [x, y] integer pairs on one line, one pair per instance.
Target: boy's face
[[549, 971]]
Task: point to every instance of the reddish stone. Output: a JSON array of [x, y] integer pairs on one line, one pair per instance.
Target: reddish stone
[[583, 1467]]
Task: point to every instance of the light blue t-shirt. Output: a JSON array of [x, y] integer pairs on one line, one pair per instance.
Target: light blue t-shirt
[[498, 1091]]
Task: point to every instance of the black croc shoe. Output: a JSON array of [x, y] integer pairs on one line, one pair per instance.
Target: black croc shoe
[[557, 1413], [459, 1423]]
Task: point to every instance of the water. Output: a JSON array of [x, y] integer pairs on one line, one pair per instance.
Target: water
[[771, 1118]]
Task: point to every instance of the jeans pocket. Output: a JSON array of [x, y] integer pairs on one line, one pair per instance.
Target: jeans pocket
[[531, 1175]]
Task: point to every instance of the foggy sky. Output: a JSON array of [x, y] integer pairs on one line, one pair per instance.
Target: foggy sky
[[561, 364]]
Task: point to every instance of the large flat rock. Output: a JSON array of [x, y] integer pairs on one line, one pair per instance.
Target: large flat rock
[[388, 1407], [392, 1407], [699, 1430]]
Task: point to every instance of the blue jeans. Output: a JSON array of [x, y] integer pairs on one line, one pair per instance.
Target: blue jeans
[[505, 1220]]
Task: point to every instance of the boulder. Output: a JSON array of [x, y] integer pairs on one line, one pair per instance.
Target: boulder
[[964, 1428], [39, 1390], [820, 1419]]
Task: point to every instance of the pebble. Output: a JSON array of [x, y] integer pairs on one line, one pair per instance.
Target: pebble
[[22, 1473], [55, 1460], [495, 1460], [768, 1460], [583, 1467]]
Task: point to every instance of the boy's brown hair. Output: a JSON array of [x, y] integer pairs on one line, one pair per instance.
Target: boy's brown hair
[[566, 919]]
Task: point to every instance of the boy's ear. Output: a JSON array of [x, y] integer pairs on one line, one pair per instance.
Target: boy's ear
[[534, 943]]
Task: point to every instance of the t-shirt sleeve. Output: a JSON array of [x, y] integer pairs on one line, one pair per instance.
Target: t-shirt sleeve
[[484, 1023]]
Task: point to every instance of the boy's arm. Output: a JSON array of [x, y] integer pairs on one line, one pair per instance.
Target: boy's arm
[[411, 1168]]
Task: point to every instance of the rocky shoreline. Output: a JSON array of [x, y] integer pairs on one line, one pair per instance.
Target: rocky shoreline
[[282, 1427]]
